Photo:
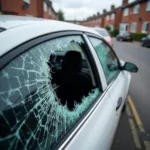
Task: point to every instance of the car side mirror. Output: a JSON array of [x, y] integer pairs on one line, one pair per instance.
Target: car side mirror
[[130, 67]]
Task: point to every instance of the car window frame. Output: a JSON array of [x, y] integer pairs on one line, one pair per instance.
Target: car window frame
[[18, 50], [26, 46], [103, 40]]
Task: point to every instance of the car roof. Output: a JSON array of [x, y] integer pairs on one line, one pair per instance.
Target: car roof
[[18, 30]]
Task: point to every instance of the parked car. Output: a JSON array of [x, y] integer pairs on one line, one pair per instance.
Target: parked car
[[146, 41], [103, 32], [124, 36], [59, 82]]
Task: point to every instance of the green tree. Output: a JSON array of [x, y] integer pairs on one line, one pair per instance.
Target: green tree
[[61, 15]]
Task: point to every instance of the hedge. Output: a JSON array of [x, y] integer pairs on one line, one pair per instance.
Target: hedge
[[114, 32], [138, 36], [108, 28]]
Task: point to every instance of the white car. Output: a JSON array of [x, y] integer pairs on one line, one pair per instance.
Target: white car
[[61, 86], [104, 33]]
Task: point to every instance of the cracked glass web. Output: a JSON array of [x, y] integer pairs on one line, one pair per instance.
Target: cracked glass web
[[30, 115]]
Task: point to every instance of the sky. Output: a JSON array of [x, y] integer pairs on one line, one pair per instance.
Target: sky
[[81, 9]]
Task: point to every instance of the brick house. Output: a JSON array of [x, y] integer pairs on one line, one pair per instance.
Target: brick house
[[48, 10], [92, 21], [135, 16], [112, 17], [132, 17], [36, 8]]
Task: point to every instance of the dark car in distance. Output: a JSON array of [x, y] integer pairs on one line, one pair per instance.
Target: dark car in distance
[[124, 36], [146, 41]]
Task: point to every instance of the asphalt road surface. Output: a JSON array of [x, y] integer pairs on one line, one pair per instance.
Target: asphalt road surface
[[139, 92]]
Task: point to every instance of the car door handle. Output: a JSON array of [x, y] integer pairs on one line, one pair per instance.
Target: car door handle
[[119, 103]]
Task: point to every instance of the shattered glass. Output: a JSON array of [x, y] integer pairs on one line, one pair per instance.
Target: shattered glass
[[106, 57], [30, 115]]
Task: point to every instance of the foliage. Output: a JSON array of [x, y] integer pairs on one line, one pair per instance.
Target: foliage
[[61, 16], [138, 36], [108, 28], [114, 32]]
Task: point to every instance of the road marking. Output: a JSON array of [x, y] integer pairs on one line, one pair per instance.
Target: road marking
[[128, 111], [136, 115], [147, 145], [135, 134]]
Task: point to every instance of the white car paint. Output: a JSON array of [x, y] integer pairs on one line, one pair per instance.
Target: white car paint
[[24, 28], [96, 133], [97, 129]]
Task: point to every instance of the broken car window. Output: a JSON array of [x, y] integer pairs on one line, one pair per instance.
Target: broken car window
[[44, 93]]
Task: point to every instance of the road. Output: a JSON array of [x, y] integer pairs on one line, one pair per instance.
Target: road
[[139, 92]]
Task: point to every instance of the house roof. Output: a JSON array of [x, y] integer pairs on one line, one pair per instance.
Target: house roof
[[51, 6], [133, 3], [115, 9]]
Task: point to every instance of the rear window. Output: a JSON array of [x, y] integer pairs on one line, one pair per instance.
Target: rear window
[[102, 32], [127, 34]]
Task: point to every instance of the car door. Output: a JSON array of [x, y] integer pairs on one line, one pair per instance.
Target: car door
[[31, 114], [147, 42], [98, 130], [117, 80]]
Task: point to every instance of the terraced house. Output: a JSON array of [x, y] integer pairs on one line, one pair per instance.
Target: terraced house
[[132, 17], [36, 8], [136, 16]]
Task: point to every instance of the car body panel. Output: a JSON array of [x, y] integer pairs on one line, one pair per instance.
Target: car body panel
[[37, 27], [124, 36], [97, 128], [119, 89], [93, 134], [146, 41]]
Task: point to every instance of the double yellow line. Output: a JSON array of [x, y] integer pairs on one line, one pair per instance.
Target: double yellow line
[[131, 111]]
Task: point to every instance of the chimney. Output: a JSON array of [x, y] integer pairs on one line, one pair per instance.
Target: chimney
[[104, 11], [98, 14], [124, 2], [112, 7]]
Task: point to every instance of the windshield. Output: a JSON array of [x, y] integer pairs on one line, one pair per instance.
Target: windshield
[[127, 34], [102, 32]]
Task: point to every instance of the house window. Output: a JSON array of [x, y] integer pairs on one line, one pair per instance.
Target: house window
[[133, 27], [126, 12], [45, 6], [145, 27], [26, 4], [124, 27], [112, 16], [112, 27], [27, 1], [107, 17], [136, 9], [148, 5]]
